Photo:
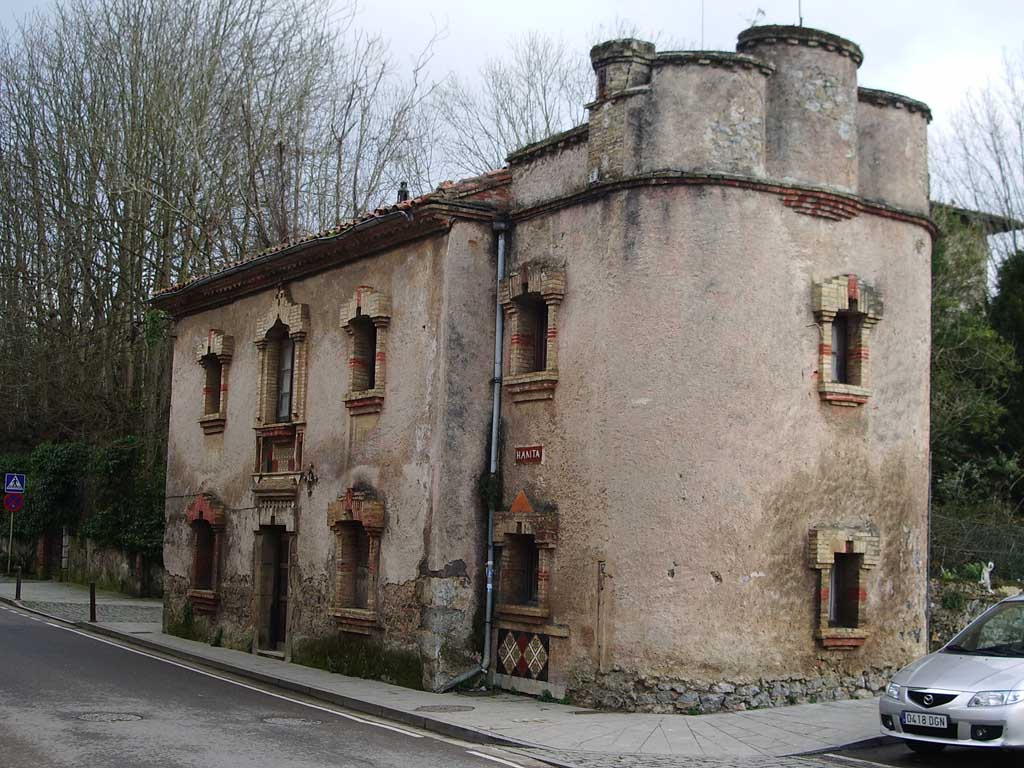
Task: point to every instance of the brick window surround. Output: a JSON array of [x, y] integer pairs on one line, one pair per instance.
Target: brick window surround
[[279, 440], [842, 619], [526, 539], [205, 518], [365, 318], [214, 354], [529, 296], [849, 301], [357, 520]]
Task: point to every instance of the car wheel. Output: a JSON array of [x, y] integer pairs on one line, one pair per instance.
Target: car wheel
[[925, 747]]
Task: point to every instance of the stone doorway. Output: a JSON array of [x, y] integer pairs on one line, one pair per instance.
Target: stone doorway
[[272, 588]]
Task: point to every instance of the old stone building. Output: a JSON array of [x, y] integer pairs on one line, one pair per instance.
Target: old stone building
[[712, 302]]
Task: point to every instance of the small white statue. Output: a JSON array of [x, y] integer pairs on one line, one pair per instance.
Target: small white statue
[[986, 576]]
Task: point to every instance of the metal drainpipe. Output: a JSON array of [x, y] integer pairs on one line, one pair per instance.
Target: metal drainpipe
[[499, 332]]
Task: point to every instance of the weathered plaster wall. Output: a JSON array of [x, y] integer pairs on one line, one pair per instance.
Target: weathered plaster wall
[[705, 113], [687, 446], [561, 171], [811, 104], [427, 442], [893, 151]]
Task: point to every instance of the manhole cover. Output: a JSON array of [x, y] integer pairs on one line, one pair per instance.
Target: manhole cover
[[109, 717], [445, 708], [289, 721]]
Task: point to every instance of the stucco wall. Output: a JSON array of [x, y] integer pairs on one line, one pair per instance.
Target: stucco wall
[[428, 440], [893, 152], [561, 171], [687, 446]]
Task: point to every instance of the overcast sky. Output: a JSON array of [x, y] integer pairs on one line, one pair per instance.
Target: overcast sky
[[931, 50]]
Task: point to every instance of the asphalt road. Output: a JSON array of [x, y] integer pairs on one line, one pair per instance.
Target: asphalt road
[[896, 754], [69, 699]]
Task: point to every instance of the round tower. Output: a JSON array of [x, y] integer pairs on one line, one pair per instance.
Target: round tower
[[811, 121]]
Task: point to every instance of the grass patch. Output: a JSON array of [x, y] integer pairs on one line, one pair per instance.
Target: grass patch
[[361, 657]]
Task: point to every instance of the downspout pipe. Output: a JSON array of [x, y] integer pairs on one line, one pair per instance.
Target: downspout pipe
[[500, 228]]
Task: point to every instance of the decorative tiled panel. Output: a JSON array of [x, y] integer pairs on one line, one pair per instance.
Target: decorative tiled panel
[[523, 654]]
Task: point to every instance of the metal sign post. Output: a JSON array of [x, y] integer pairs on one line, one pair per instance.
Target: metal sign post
[[14, 499]]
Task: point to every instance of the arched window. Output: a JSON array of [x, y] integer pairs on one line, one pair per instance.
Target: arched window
[[281, 350]]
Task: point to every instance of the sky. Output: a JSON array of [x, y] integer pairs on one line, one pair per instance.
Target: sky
[[930, 50]]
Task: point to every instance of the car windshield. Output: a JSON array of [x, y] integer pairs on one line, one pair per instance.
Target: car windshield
[[999, 632]]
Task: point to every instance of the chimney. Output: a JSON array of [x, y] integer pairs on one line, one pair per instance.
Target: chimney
[[403, 192]]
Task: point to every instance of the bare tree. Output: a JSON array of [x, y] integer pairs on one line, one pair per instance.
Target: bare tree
[[144, 143], [537, 90], [979, 161]]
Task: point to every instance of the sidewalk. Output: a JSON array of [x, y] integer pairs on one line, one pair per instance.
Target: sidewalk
[[558, 734]]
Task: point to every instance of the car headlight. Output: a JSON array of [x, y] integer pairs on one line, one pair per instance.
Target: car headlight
[[996, 698], [893, 691]]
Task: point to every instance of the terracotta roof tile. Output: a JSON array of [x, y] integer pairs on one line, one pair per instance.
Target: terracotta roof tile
[[485, 188]]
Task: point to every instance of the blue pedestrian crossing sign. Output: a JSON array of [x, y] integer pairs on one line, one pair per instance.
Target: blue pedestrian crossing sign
[[14, 483]]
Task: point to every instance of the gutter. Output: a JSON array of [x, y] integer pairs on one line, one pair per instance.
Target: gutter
[[500, 228]]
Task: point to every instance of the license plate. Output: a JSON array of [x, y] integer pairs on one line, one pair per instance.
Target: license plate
[[925, 720]]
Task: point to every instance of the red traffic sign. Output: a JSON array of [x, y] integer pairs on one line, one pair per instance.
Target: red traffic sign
[[13, 502]]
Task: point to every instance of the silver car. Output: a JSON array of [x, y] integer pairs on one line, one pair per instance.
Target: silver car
[[969, 693]]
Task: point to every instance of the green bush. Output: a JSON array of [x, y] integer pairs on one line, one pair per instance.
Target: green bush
[[953, 600]]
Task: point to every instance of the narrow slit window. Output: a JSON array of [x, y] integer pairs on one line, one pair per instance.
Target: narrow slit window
[[364, 354], [844, 591], [203, 555], [212, 385], [840, 349]]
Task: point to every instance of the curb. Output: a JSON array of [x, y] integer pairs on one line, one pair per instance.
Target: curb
[[21, 605], [461, 732]]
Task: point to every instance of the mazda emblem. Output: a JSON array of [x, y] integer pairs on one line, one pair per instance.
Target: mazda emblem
[[928, 699]]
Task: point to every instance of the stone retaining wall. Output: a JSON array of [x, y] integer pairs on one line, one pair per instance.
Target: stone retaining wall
[[660, 695]]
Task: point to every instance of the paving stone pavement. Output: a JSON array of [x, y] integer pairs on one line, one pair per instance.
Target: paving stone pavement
[[140, 614], [605, 760]]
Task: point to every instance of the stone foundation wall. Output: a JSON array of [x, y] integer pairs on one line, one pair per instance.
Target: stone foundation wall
[[630, 692], [952, 605], [113, 569]]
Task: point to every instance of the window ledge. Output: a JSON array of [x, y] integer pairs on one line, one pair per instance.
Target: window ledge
[[212, 423], [538, 385], [281, 484], [356, 620], [365, 401], [842, 638], [529, 613], [203, 600], [834, 393]]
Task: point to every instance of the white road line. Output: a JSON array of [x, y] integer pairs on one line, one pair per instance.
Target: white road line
[[857, 760], [493, 759], [241, 685]]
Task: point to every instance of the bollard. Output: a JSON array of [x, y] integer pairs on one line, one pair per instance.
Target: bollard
[[92, 602], [17, 585]]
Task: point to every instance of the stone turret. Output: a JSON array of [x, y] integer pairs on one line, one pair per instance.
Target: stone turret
[[811, 105], [893, 149]]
